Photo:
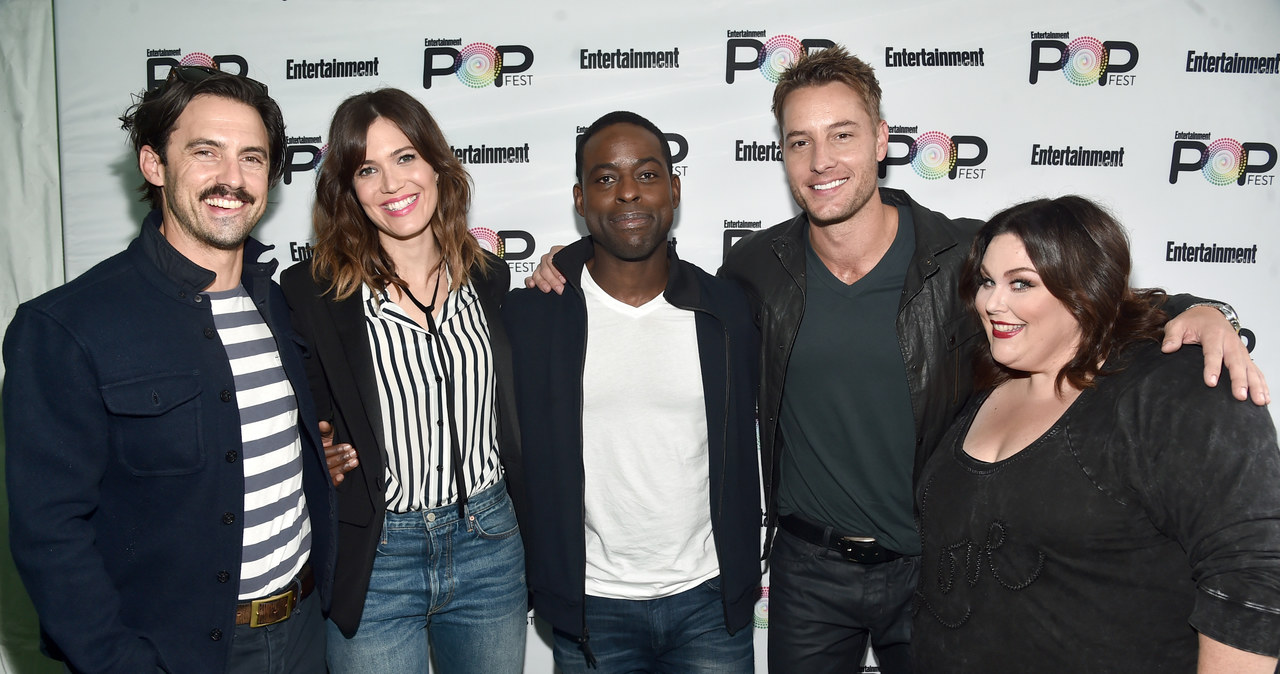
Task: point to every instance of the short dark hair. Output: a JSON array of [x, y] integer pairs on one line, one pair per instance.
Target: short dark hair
[[833, 64], [150, 119], [1081, 254], [620, 117]]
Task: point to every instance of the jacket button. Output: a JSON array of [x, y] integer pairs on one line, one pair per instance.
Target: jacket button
[[209, 333], [232, 455], [215, 634], [919, 440], [182, 294], [951, 341], [225, 395], [198, 298], [228, 518], [223, 576]]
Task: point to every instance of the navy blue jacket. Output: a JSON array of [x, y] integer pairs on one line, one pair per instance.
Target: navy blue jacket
[[126, 491], [548, 341]]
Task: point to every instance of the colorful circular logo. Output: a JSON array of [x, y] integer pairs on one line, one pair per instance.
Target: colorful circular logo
[[489, 240], [1223, 161], [324, 150], [760, 617], [196, 58], [1086, 59], [478, 65], [779, 53], [933, 155]]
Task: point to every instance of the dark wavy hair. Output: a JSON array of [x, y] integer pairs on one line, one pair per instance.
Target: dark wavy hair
[[347, 250], [833, 64], [150, 119], [619, 117], [1082, 256]]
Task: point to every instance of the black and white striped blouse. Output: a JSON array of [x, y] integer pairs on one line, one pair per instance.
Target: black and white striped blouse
[[411, 396]]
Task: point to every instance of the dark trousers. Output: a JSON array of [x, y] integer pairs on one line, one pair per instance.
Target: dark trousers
[[823, 609], [295, 646]]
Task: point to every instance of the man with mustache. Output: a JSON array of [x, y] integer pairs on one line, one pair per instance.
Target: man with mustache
[[643, 527], [169, 499]]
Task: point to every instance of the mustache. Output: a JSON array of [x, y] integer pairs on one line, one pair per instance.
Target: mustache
[[225, 191]]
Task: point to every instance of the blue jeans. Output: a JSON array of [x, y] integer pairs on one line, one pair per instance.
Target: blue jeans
[[681, 633], [823, 609], [442, 588]]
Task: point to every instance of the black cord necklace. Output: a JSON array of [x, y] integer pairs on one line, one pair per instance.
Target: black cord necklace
[[447, 375]]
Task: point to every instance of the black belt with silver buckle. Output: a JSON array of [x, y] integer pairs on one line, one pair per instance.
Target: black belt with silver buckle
[[278, 607], [858, 549]]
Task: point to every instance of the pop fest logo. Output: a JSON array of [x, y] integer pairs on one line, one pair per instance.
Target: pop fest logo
[[760, 617], [934, 154], [771, 58], [497, 242], [1224, 161], [1085, 60], [158, 66], [302, 157], [478, 64]]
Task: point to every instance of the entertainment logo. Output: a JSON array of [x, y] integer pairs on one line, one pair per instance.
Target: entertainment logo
[[476, 65], [161, 61], [1222, 161], [302, 153], [499, 242], [1084, 60], [934, 154], [734, 230], [771, 58]]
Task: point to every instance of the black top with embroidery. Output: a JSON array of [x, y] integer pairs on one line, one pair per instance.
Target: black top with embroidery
[[1147, 512]]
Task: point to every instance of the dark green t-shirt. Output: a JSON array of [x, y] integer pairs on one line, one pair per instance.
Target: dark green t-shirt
[[846, 411]]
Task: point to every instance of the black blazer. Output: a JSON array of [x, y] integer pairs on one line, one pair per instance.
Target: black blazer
[[341, 373]]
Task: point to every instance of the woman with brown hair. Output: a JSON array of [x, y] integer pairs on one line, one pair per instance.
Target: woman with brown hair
[[1096, 509], [411, 365]]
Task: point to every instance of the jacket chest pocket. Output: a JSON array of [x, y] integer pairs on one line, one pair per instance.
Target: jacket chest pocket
[[156, 427]]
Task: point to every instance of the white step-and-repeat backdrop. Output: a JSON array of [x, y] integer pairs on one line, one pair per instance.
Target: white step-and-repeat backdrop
[[1164, 111]]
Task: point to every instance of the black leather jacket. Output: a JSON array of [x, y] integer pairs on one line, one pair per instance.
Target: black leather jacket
[[936, 331]]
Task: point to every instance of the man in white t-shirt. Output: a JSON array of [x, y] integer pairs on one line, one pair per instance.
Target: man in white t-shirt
[[643, 534]]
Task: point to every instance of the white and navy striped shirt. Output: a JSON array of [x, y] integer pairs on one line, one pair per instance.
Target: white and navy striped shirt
[[411, 394], [277, 531]]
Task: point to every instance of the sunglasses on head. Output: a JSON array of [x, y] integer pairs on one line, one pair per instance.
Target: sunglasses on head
[[197, 74]]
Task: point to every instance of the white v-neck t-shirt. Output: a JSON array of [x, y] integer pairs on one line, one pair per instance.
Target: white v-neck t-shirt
[[644, 435]]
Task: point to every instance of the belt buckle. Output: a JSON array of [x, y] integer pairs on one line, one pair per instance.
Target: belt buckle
[[857, 548], [290, 597]]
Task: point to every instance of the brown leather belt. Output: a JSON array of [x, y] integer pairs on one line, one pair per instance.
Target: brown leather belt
[[277, 607], [857, 549]]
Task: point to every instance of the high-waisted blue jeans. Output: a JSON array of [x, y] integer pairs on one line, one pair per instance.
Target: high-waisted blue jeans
[[446, 588]]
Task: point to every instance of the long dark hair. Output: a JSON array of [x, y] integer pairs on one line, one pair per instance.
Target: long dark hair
[[348, 252], [1082, 256]]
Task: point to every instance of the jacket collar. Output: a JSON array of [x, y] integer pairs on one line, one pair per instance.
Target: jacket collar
[[190, 276], [682, 287]]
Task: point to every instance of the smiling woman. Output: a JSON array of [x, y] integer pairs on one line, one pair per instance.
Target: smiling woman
[[1095, 499], [411, 365]]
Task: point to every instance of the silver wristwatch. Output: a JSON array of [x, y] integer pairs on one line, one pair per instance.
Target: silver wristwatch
[[1227, 310]]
